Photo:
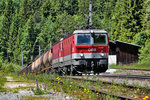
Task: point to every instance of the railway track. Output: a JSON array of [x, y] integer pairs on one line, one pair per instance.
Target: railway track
[[133, 69], [121, 97], [104, 82], [139, 77]]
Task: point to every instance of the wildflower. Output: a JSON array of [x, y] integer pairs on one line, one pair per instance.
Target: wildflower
[[58, 82], [71, 82], [135, 97], [88, 90], [106, 80], [138, 89], [97, 93], [84, 90], [57, 78], [146, 97], [70, 85]]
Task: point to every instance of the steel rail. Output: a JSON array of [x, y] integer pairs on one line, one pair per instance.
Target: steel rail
[[104, 82], [121, 97], [139, 77], [132, 69]]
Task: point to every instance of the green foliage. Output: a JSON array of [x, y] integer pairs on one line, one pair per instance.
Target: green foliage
[[9, 67], [145, 53], [2, 81], [27, 24], [1, 63], [140, 38], [2, 6], [126, 19]]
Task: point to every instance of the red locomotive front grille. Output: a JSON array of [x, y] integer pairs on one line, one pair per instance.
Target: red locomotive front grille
[[92, 49]]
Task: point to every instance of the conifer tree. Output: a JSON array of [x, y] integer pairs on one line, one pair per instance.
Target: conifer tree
[[126, 20], [2, 7], [28, 40], [47, 34], [13, 35], [9, 10]]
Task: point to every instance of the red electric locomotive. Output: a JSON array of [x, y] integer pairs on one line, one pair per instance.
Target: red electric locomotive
[[85, 51]]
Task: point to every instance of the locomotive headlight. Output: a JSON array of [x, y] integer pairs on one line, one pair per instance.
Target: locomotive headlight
[[102, 54], [81, 55]]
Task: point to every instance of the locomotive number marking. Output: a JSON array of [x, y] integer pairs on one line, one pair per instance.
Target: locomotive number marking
[[92, 49]]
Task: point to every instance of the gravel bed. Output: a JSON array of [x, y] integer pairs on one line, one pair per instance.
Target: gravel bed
[[127, 72], [27, 94], [127, 81], [22, 95]]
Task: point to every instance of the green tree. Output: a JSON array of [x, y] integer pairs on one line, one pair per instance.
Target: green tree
[[47, 34], [13, 35], [140, 38], [145, 53], [2, 7], [126, 20], [9, 10], [28, 40]]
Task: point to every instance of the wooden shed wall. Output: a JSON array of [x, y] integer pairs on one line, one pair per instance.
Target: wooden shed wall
[[126, 53]]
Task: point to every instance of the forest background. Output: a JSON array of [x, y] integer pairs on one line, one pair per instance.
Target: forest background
[[27, 24]]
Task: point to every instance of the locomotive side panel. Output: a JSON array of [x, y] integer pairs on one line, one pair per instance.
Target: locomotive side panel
[[55, 57], [68, 45]]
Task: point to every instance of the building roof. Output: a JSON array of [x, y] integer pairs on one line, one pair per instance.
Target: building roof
[[127, 43], [89, 31]]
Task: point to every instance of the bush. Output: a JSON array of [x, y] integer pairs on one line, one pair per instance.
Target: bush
[[2, 82], [8, 68], [140, 38], [145, 53], [1, 63]]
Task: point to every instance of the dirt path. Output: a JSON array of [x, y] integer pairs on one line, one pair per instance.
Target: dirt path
[[20, 90]]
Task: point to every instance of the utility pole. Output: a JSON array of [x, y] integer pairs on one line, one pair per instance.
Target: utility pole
[[22, 59], [39, 50], [90, 15], [50, 42]]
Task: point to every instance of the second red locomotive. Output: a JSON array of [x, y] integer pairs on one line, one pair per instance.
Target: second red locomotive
[[85, 51]]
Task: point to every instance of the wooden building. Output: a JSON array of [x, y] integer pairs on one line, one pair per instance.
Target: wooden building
[[126, 53]]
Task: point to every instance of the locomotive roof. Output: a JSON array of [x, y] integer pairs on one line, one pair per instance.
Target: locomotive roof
[[89, 31]]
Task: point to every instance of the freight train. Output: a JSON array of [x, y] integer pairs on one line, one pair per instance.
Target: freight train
[[84, 51]]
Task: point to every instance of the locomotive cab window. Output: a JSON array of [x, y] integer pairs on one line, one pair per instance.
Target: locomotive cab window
[[83, 39], [100, 39]]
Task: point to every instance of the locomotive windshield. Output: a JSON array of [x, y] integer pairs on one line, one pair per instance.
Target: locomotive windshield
[[87, 39], [100, 39], [84, 39]]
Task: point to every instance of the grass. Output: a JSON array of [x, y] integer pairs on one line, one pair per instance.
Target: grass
[[35, 98], [9, 68], [118, 89], [133, 66], [2, 82], [71, 88]]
